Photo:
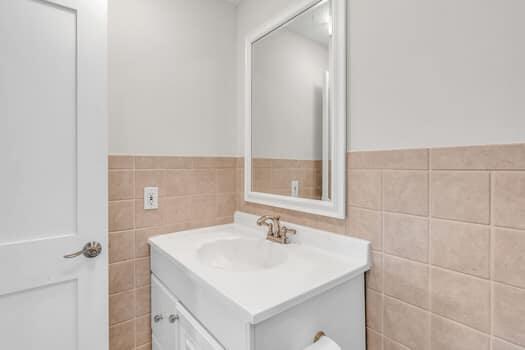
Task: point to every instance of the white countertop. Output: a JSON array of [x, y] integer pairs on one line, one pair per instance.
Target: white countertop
[[317, 261]]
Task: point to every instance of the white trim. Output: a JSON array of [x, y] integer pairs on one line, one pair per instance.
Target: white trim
[[338, 105], [326, 151]]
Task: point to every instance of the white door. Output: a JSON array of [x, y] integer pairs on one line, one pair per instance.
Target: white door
[[53, 174]]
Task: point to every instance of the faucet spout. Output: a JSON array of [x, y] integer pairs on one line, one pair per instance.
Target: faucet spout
[[272, 222]]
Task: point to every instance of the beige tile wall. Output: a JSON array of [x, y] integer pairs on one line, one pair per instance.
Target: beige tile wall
[[275, 176], [447, 228], [194, 192]]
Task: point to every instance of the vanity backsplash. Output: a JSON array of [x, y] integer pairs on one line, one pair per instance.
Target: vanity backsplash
[[448, 218]]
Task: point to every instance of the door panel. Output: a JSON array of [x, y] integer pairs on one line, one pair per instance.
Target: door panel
[[192, 335], [53, 156], [39, 146], [163, 304], [42, 311], [155, 345]]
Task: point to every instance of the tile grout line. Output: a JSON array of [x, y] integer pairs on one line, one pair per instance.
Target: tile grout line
[[475, 330], [449, 270], [446, 269], [444, 317], [426, 216], [505, 341], [397, 343], [411, 260]]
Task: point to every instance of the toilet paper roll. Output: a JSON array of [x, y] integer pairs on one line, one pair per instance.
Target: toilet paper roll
[[324, 343]]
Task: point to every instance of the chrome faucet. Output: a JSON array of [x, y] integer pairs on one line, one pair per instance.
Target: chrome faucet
[[276, 232]]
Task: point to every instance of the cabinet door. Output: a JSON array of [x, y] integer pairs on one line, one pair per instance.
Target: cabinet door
[[155, 344], [164, 325], [192, 335]]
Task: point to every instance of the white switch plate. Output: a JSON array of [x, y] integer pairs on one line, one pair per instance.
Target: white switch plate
[[151, 198], [295, 188]]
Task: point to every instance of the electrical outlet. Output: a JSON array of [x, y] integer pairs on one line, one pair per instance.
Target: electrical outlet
[[295, 188], [151, 198]]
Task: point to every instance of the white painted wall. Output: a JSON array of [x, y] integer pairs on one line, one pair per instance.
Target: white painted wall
[[424, 73], [288, 67], [172, 77], [436, 73]]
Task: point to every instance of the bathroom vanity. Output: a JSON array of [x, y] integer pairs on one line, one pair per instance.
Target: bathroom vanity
[[228, 287]]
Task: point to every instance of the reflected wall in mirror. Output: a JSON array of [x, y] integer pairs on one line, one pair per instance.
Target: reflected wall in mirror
[[296, 110], [290, 114]]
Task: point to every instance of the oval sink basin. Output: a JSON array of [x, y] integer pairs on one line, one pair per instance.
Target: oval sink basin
[[242, 254]]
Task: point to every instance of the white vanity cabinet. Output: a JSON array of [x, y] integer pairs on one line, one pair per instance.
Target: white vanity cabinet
[[228, 288], [164, 328], [192, 335], [173, 327]]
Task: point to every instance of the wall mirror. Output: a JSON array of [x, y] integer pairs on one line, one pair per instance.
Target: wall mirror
[[295, 110]]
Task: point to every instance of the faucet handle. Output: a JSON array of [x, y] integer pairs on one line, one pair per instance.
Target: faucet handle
[[285, 231]]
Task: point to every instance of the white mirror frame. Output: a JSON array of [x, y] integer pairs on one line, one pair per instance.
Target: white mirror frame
[[336, 207]]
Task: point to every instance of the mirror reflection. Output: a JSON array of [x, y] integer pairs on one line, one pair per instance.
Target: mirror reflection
[[291, 117]]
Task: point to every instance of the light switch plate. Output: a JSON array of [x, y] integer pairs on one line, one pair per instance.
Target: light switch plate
[[295, 188], [151, 198]]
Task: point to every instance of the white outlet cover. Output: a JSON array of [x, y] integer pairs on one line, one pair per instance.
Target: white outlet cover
[[151, 198]]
